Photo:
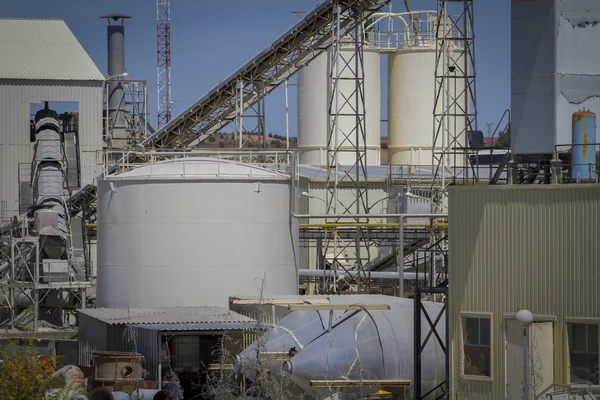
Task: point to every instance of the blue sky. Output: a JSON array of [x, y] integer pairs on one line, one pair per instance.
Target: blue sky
[[211, 39]]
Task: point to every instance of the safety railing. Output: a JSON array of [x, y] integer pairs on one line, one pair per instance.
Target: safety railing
[[414, 30], [218, 164]]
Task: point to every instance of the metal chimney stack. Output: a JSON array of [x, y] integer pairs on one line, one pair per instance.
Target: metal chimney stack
[[116, 81]]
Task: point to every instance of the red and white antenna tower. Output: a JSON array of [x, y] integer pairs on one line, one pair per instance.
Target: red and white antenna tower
[[163, 51]]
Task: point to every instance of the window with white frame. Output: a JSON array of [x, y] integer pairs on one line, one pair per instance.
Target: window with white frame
[[477, 346], [583, 353]]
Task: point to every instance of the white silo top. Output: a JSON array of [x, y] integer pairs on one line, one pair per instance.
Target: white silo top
[[199, 168]]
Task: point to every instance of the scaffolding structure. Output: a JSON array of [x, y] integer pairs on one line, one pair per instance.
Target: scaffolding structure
[[455, 115], [163, 61], [250, 110], [455, 109], [133, 101], [347, 134]]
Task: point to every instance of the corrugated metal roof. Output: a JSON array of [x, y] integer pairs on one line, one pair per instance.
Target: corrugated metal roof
[[167, 315], [43, 49], [196, 327]]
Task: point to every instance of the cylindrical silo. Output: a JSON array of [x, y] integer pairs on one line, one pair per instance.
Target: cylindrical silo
[[375, 345], [584, 152], [411, 100], [191, 232], [314, 96]]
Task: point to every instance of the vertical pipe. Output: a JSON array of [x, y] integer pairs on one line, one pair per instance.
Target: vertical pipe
[[12, 281], [287, 123], [400, 260], [584, 151], [36, 292], [417, 343], [116, 91], [525, 388]]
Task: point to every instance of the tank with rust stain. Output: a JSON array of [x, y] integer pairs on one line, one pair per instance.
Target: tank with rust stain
[[583, 158]]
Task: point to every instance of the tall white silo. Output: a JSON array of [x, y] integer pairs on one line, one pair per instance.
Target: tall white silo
[[411, 99], [192, 232], [314, 92]]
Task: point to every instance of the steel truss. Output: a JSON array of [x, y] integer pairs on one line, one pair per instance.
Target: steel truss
[[254, 111], [134, 104], [26, 285], [163, 61], [270, 68], [347, 134], [455, 111], [435, 289]]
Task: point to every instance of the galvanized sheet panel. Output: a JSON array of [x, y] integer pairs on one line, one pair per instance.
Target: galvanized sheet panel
[[515, 247], [27, 41], [16, 98]]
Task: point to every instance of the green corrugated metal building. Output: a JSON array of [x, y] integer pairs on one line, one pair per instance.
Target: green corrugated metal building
[[534, 247]]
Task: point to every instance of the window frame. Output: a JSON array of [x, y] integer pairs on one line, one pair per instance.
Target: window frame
[[569, 332], [463, 331]]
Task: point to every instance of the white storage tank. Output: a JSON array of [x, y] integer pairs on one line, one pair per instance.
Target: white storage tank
[[314, 91], [193, 232], [411, 98]]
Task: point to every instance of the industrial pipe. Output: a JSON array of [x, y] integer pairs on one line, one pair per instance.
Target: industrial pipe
[[350, 216], [372, 274]]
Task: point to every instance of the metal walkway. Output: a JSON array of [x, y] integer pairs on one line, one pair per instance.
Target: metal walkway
[[262, 74]]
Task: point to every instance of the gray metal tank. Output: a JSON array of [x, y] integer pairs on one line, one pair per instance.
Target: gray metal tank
[[299, 328], [373, 345], [191, 232]]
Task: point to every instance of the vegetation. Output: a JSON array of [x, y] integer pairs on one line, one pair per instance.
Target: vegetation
[[211, 138], [504, 137], [23, 376]]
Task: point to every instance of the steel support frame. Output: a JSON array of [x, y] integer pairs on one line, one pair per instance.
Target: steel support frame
[[163, 61], [23, 278], [301, 44], [347, 72], [437, 255], [134, 103], [455, 106], [253, 110]]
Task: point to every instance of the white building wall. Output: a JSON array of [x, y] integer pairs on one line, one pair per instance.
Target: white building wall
[[16, 98]]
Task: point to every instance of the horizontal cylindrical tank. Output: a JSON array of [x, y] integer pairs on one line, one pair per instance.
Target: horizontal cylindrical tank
[[375, 345], [297, 329], [411, 100], [314, 95], [584, 149], [192, 232]]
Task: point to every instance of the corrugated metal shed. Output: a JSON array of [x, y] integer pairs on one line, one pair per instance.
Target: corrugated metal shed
[[140, 329], [167, 315], [43, 49], [197, 327], [523, 246]]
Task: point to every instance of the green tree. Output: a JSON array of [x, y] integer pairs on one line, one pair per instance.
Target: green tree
[[23, 376], [276, 143], [211, 138], [221, 136], [270, 134], [504, 137], [221, 144]]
